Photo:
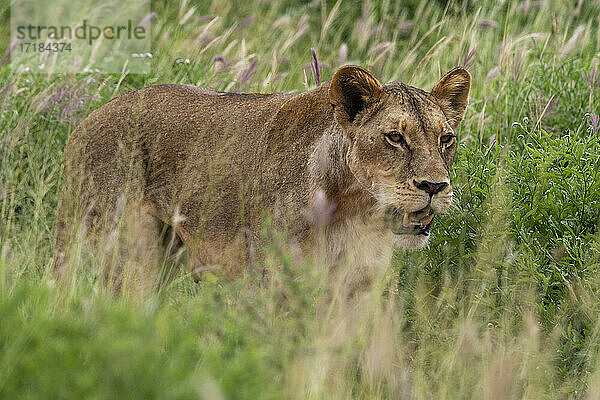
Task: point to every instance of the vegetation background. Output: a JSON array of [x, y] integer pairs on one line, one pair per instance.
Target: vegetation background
[[504, 303]]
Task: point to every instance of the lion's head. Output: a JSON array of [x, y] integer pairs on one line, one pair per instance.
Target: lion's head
[[402, 143]]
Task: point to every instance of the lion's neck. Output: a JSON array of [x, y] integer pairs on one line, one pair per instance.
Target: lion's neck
[[329, 172]]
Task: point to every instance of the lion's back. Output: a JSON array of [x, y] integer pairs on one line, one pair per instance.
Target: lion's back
[[173, 146]]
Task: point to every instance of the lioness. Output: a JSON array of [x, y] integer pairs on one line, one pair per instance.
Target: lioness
[[210, 166]]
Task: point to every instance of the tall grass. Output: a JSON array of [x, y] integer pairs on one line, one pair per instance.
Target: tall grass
[[504, 303]]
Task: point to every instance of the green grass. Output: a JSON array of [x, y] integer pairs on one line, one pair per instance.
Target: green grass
[[503, 304]]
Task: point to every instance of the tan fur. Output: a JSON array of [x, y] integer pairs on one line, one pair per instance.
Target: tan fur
[[212, 165]]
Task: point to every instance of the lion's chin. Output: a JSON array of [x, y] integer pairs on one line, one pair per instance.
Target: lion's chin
[[410, 241], [413, 236]]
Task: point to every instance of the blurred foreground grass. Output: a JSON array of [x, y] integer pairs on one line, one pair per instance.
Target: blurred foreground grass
[[503, 304]]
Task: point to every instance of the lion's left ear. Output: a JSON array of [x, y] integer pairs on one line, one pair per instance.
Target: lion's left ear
[[452, 94]]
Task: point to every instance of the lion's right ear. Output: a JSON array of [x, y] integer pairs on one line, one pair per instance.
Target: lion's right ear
[[352, 89]]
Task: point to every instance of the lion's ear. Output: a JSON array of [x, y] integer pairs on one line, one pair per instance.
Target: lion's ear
[[352, 89], [452, 94]]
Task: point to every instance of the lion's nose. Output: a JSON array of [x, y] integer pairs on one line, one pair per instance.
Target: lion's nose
[[431, 188]]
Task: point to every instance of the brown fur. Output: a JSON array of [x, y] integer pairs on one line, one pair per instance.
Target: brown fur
[[212, 165]]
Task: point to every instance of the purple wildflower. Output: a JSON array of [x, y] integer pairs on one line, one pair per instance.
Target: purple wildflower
[[147, 18], [206, 38], [467, 59], [530, 5], [492, 141], [8, 51], [316, 68], [592, 79], [541, 109], [248, 73], [343, 54], [493, 73], [593, 121], [206, 18], [223, 60], [280, 75], [517, 65], [67, 101], [6, 88], [405, 28], [486, 23], [246, 21]]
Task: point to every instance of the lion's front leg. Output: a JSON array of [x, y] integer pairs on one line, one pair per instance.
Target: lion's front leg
[[133, 254]]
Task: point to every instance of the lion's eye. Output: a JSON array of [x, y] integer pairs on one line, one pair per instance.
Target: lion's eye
[[446, 139], [396, 139]]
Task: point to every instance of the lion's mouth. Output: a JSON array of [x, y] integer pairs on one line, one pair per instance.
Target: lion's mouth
[[416, 223], [421, 218]]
